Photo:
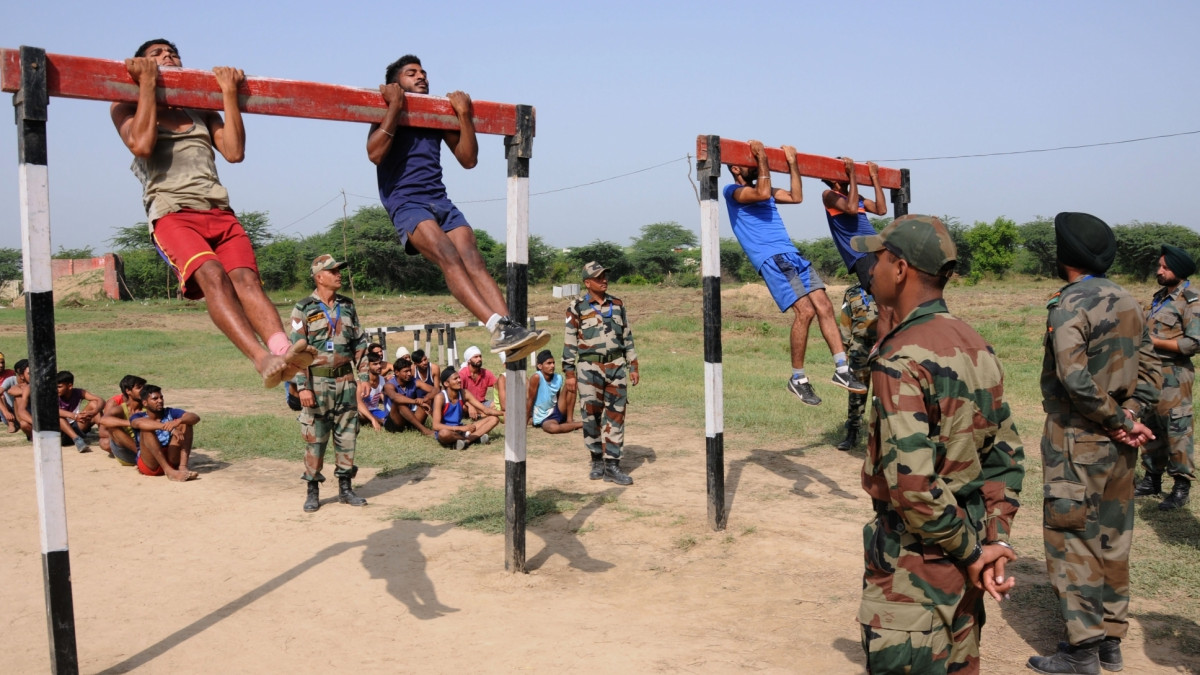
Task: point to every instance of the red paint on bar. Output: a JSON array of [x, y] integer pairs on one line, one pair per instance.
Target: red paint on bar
[[737, 153], [104, 80]]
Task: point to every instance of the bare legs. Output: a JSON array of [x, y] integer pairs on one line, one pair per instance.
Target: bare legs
[[814, 304]]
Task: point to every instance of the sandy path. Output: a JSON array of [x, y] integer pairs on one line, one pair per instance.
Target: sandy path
[[239, 579]]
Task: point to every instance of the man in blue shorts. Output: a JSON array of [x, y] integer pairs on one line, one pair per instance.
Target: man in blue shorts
[[410, 405], [547, 406], [164, 437], [408, 164], [792, 280], [846, 210]]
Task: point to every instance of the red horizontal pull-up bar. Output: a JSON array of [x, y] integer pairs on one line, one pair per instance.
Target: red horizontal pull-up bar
[[105, 80], [737, 153]]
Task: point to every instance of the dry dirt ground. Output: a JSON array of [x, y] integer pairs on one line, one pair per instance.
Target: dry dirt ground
[[227, 574]]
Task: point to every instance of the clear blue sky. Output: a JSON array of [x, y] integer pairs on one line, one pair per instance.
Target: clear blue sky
[[621, 86]]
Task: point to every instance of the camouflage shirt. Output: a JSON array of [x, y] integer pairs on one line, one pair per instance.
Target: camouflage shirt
[[1098, 355], [597, 330], [1175, 315], [347, 344], [943, 453]]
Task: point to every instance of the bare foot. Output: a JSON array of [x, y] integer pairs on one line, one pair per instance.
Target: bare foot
[[300, 354], [271, 368], [182, 476]]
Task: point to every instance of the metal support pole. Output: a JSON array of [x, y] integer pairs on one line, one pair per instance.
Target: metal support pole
[[31, 104], [708, 173], [902, 196], [518, 148]]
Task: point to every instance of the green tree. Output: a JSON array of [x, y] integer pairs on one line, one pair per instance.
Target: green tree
[[10, 264], [993, 246], [823, 255], [654, 254], [958, 233], [735, 265], [74, 253], [1139, 246], [608, 254], [1038, 246]]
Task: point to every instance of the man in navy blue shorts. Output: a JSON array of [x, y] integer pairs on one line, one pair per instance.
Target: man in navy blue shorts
[[408, 164], [792, 280]]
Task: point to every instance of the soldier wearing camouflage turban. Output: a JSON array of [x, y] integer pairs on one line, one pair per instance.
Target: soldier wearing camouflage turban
[[1173, 319], [598, 359], [1100, 375], [944, 465], [329, 322]]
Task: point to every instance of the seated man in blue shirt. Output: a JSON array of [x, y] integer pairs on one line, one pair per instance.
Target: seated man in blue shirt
[[164, 437], [548, 407]]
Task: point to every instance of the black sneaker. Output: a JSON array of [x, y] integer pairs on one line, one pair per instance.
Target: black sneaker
[[511, 337], [848, 382], [804, 391], [541, 339]]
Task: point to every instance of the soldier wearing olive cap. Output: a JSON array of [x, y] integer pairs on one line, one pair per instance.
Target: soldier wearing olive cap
[[1173, 319], [943, 469], [598, 358], [329, 322]]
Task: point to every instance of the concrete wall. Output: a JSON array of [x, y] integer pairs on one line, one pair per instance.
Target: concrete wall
[[110, 263]]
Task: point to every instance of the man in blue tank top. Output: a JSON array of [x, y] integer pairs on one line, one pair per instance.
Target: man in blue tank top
[[408, 164], [847, 212], [792, 280]]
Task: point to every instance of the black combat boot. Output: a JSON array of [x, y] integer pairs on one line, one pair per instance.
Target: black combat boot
[[346, 495], [1150, 484], [1110, 654], [597, 467], [1178, 496], [851, 438], [314, 497], [1078, 659], [612, 473]]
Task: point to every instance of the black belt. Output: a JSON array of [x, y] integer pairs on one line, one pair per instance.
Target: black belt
[[339, 371], [602, 357]]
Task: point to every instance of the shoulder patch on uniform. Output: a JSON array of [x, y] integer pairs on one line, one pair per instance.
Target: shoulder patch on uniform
[[315, 317], [1054, 299], [1190, 295], [297, 324]]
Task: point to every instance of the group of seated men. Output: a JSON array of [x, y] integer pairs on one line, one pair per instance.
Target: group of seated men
[[135, 427], [456, 407]]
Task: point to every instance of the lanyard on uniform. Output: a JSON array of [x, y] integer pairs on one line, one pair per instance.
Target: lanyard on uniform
[[600, 309], [333, 321], [865, 298], [333, 324], [1155, 306]]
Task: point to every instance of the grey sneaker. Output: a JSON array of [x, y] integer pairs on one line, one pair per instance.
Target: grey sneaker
[[804, 391], [460, 445], [511, 337], [485, 439], [848, 382], [81, 445]]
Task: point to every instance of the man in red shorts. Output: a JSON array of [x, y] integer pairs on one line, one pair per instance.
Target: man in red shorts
[[164, 437], [188, 211]]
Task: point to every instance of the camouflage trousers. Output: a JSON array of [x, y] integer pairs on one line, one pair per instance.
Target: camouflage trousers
[[857, 322], [939, 633], [602, 397], [336, 414], [1172, 449], [1087, 526]]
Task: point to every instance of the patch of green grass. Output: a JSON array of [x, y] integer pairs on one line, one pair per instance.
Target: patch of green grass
[[481, 507], [686, 543]]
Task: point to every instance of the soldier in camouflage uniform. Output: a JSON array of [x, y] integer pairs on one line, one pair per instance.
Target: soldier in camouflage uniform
[[1099, 376], [598, 357], [329, 322], [944, 465], [1173, 319], [847, 212]]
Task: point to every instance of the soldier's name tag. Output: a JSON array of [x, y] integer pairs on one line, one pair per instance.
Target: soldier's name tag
[[329, 345]]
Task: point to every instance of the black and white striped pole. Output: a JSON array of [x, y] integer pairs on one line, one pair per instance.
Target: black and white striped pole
[[518, 148], [708, 173], [31, 104], [902, 196]]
